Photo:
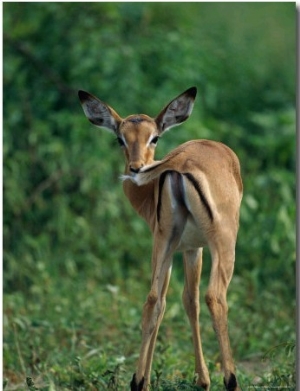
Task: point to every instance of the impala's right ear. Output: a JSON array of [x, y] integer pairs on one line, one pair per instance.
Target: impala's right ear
[[99, 113]]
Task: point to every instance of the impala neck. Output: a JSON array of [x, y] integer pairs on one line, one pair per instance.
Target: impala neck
[[142, 199]]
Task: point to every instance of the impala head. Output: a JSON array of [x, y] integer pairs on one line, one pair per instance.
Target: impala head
[[138, 134]]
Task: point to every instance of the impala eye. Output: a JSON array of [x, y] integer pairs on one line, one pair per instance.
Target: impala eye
[[154, 140], [121, 142]]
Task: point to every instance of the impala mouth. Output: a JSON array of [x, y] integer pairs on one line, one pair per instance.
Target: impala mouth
[[134, 170]]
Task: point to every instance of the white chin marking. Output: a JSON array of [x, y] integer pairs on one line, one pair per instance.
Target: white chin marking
[[133, 178], [125, 177], [140, 179]]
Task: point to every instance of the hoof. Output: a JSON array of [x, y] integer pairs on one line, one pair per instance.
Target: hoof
[[231, 384], [134, 386]]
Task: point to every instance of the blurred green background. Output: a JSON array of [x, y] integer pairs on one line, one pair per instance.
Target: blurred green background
[[70, 234]]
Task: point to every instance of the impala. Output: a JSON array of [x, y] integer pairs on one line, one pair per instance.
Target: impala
[[190, 199]]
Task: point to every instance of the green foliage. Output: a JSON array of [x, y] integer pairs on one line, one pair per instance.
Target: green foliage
[[70, 235]]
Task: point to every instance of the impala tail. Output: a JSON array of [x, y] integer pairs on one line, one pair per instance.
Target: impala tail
[[148, 173]]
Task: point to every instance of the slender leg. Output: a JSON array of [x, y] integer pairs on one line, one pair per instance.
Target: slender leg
[[221, 273], [166, 236], [192, 268], [154, 335], [153, 312]]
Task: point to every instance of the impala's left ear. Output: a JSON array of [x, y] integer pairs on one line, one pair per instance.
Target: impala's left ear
[[177, 111]]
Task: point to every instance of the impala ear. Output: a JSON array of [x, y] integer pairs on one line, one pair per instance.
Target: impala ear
[[177, 111], [99, 113]]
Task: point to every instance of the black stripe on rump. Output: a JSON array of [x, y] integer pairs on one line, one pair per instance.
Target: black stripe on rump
[[203, 199], [177, 189], [162, 179]]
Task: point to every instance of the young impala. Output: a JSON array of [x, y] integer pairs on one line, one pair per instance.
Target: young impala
[[190, 199]]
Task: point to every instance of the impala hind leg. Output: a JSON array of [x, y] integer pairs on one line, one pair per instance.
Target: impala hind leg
[[154, 335], [221, 273], [153, 312], [190, 297]]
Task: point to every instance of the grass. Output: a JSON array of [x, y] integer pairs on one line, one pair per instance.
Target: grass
[[80, 333]]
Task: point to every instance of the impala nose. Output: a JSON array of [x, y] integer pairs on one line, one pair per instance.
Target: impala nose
[[135, 167], [134, 170]]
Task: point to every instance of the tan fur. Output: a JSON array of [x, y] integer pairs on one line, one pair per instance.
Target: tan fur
[[190, 199]]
